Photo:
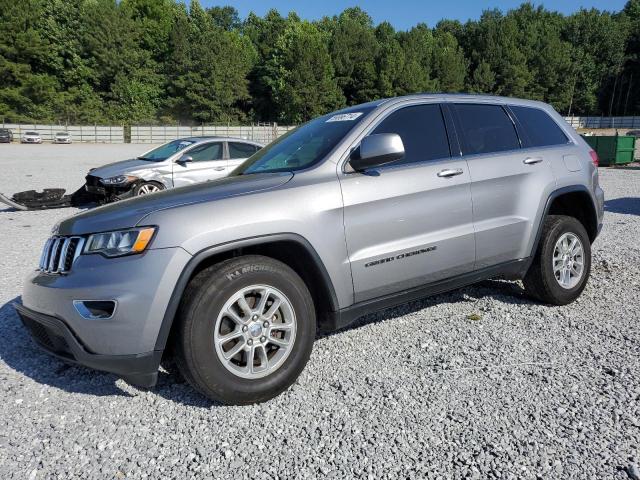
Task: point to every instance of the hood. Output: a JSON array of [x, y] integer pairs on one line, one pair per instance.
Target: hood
[[127, 213], [123, 167]]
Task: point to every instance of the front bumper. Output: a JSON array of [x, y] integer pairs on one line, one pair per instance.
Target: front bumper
[[54, 336], [141, 285]]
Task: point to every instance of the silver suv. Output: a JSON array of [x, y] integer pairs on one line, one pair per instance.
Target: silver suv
[[355, 211]]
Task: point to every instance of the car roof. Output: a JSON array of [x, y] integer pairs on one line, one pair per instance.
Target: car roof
[[452, 97], [219, 138]]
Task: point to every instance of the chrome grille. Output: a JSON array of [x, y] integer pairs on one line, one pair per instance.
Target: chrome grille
[[59, 253]]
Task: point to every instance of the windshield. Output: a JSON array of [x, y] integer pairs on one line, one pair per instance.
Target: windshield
[[165, 151], [304, 146], [30, 133]]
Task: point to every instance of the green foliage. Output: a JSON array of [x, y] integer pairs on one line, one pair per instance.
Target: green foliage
[[353, 48], [133, 61], [207, 69], [300, 74]]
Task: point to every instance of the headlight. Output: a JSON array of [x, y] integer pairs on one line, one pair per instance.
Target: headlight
[[121, 242], [119, 180]]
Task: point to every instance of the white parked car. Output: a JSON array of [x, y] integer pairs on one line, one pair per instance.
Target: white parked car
[[181, 162], [31, 137], [62, 137]]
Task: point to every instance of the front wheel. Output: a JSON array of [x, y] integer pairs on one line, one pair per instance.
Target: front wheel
[[146, 188], [246, 330], [562, 264]]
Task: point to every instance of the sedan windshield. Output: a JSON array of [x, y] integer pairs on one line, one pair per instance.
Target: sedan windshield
[[165, 151], [304, 146]]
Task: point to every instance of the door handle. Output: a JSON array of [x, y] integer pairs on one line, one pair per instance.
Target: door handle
[[218, 169], [532, 160], [450, 172]]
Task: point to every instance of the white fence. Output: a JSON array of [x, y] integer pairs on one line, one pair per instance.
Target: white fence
[[263, 133], [259, 133], [91, 133], [603, 122]]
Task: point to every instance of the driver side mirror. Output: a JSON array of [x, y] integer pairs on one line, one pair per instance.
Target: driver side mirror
[[184, 159], [377, 150]]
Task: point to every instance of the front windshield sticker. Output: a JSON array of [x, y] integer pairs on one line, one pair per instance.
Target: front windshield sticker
[[344, 117]]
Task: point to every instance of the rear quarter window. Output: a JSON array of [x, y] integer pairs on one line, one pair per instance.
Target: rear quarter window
[[540, 130]]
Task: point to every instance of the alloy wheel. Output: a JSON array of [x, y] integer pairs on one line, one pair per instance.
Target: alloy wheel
[[255, 331], [568, 260], [148, 188]]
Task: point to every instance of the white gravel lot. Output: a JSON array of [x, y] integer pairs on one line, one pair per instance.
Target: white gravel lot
[[420, 391]]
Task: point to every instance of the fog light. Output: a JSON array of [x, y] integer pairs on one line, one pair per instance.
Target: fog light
[[95, 309]]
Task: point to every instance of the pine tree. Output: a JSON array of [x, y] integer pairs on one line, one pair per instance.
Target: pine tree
[[300, 74]]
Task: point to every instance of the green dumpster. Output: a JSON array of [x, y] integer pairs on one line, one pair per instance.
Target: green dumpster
[[613, 150]]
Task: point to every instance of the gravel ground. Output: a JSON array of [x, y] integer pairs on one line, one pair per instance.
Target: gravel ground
[[478, 383]]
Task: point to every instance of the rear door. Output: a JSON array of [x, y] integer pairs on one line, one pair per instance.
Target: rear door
[[207, 163], [239, 152], [409, 223], [507, 182]]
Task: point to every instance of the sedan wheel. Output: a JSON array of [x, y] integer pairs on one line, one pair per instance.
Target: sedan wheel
[[147, 188]]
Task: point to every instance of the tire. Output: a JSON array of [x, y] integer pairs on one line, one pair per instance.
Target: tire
[[145, 188], [541, 281], [202, 317]]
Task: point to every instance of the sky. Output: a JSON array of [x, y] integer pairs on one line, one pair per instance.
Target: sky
[[403, 14]]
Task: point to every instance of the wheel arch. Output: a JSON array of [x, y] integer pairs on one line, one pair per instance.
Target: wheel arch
[[573, 201], [289, 248]]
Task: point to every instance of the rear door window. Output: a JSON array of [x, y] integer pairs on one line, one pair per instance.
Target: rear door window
[[539, 128], [422, 130], [485, 129], [241, 150], [206, 152]]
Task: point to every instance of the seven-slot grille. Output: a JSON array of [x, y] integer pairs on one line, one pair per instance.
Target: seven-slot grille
[[59, 253]]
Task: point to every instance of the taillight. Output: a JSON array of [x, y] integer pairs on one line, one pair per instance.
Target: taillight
[[594, 158]]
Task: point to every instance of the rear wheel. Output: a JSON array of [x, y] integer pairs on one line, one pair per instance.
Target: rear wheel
[[146, 188], [246, 330], [562, 263]]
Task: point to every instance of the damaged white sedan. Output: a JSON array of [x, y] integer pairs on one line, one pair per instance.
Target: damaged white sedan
[[181, 162], [175, 164]]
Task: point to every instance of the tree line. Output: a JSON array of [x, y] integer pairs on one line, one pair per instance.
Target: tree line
[[160, 61]]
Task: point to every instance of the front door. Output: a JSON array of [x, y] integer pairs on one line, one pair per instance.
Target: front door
[[206, 163], [409, 223]]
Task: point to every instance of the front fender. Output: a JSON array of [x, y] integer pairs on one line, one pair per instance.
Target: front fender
[[203, 255]]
